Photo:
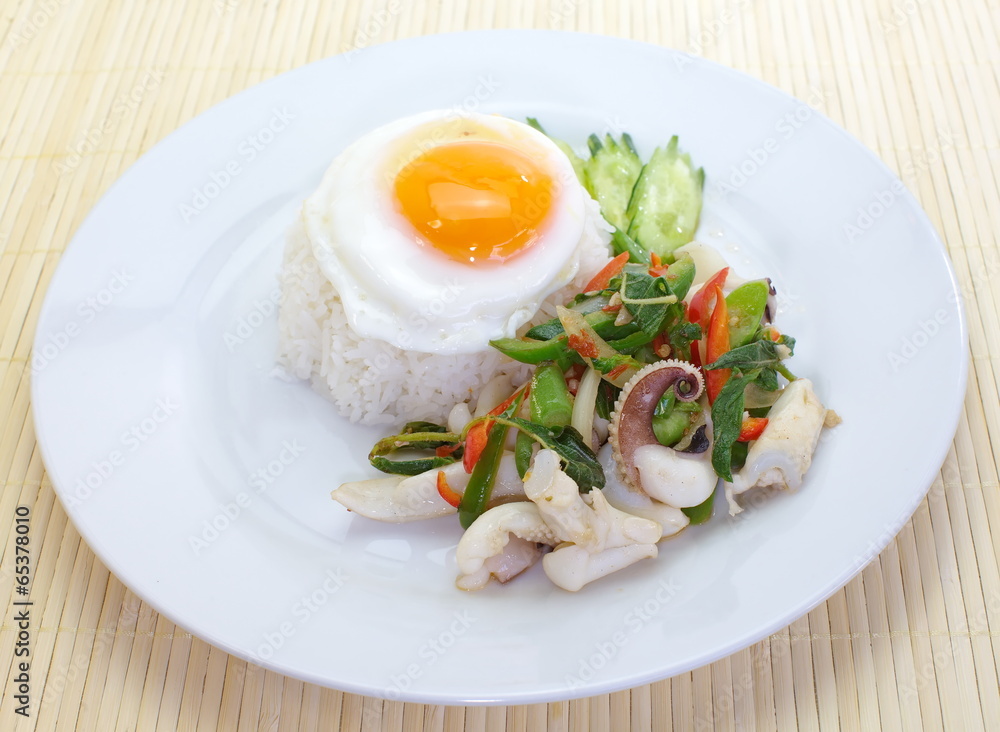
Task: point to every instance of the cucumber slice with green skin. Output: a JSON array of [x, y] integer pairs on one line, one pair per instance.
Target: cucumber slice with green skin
[[574, 159], [611, 173], [666, 201]]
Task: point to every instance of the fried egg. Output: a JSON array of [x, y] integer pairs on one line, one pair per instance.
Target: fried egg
[[441, 232]]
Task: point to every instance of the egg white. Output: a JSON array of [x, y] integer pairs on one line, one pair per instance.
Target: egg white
[[394, 288]]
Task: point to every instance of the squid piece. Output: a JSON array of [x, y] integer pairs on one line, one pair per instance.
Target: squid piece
[[597, 539], [398, 499], [783, 453], [503, 542], [671, 520], [670, 476]]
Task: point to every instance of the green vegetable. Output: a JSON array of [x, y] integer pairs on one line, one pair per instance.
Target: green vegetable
[[550, 400], [529, 351], [727, 420], [602, 322], [648, 299], [672, 419], [702, 512], [607, 395], [610, 175], [574, 159], [666, 201], [746, 305], [622, 242], [579, 461], [670, 429], [415, 436], [759, 354], [680, 275], [484, 476], [523, 446]]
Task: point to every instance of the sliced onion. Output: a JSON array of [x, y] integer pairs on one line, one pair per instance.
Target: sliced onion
[[585, 403]]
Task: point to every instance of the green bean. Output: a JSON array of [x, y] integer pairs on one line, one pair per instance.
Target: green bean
[[550, 400]]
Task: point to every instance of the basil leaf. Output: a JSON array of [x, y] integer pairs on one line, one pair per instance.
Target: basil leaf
[[756, 355], [727, 420], [429, 437], [579, 461], [410, 467], [650, 317], [607, 396], [768, 379]]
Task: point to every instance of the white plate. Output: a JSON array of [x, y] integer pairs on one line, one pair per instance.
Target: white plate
[[156, 409]]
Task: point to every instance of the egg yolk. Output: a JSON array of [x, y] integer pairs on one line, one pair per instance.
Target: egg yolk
[[475, 201]]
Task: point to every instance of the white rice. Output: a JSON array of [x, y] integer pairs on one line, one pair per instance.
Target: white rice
[[373, 382]]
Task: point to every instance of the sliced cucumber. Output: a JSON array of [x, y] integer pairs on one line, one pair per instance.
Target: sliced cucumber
[[574, 159], [610, 176], [666, 201]]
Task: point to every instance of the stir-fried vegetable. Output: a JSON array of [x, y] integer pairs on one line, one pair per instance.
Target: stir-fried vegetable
[[635, 311]]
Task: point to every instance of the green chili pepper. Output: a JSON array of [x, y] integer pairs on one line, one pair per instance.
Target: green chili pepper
[[702, 512], [680, 275], [550, 400], [745, 307], [527, 351], [601, 321], [670, 429], [523, 448], [484, 475]]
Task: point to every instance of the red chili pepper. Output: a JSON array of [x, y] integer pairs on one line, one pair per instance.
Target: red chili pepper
[[617, 371], [446, 492], [658, 345], [475, 441], [752, 428], [446, 450], [718, 344], [698, 310], [657, 268], [583, 344], [611, 270]]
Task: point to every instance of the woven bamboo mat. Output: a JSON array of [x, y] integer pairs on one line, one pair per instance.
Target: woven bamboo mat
[[87, 86]]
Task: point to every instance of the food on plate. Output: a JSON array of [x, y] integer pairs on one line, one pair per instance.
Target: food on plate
[[631, 377], [426, 239]]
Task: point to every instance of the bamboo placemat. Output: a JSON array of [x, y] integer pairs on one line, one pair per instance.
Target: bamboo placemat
[[86, 87]]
